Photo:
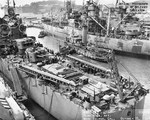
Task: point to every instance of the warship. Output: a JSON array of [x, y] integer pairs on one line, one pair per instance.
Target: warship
[[68, 85], [124, 33]]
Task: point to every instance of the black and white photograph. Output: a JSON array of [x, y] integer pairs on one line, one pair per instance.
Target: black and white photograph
[[74, 59]]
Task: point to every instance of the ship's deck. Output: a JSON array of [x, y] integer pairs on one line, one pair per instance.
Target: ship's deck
[[91, 62], [91, 77]]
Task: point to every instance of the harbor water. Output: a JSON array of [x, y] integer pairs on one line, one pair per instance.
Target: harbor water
[[136, 68]]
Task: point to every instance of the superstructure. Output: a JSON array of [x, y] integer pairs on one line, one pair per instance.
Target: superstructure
[[116, 29]]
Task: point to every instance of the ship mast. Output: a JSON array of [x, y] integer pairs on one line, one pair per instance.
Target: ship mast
[[113, 64], [14, 4], [8, 3], [108, 23], [116, 5]]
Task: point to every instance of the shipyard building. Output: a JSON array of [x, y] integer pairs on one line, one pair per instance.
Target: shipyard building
[[137, 7]]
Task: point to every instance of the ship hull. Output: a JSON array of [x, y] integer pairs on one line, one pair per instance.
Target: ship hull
[[57, 32], [58, 104], [122, 45]]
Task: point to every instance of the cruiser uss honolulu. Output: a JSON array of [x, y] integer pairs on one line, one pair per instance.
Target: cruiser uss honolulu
[[69, 84]]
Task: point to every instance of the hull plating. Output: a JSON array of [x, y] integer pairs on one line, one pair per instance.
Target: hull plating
[[134, 46], [61, 107]]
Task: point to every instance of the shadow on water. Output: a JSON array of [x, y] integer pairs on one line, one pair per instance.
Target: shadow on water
[[38, 112]]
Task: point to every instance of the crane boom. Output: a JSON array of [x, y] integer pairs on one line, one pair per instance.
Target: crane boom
[[113, 64], [114, 69]]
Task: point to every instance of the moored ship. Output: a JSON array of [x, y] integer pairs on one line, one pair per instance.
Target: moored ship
[[124, 34]]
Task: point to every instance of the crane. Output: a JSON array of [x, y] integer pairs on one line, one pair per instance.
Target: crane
[[113, 65]]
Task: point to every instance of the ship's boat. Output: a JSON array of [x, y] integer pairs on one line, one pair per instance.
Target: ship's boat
[[117, 37], [74, 87], [42, 34]]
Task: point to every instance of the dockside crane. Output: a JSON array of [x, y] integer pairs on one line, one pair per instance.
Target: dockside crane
[[115, 73], [113, 66]]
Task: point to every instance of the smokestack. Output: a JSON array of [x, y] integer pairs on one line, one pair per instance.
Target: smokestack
[[84, 34]]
